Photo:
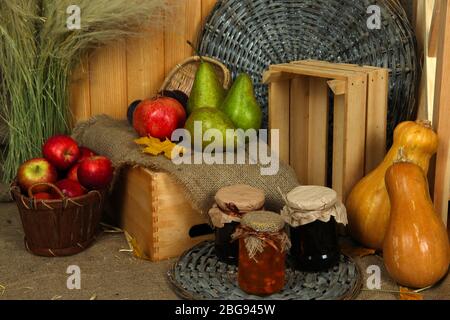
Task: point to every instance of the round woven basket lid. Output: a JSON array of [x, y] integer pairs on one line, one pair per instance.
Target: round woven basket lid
[[250, 35], [263, 221], [244, 197], [311, 198]]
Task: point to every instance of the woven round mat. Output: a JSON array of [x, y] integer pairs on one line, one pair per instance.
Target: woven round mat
[[198, 275], [250, 35]]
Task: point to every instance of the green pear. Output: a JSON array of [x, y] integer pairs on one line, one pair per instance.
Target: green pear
[[241, 106], [207, 91], [210, 118]]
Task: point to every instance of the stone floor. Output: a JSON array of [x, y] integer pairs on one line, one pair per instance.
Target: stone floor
[[109, 273]]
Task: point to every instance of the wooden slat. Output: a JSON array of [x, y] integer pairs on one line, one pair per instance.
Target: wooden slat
[[174, 35], [318, 131], [108, 78], [339, 87], [181, 25], [193, 26], [312, 71], [335, 66], [279, 116], [145, 64], [442, 111], [421, 31], [300, 128], [338, 145], [419, 25], [273, 76], [377, 105], [354, 132], [207, 6], [135, 209], [426, 88], [80, 103], [436, 24]]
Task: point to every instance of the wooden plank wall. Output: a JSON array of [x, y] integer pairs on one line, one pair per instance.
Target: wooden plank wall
[[116, 75]]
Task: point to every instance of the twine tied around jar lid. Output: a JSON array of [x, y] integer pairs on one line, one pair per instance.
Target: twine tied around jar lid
[[233, 202], [262, 228], [307, 204]]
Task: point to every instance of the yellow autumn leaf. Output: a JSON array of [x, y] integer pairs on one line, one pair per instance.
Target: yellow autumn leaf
[[156, 147], [152, 151], [166, 144], [143, 141], [407, 294]]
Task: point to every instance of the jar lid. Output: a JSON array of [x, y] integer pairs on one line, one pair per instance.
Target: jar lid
[[245, 198], [311, 198], [263, 221]]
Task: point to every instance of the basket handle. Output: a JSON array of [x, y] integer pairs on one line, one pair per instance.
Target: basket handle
[[51, 185]]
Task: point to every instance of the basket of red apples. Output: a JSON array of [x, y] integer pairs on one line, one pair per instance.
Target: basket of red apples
[[61, 197]]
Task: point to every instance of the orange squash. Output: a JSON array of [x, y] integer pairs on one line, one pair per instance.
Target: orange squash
[[416, 248], [368, 204]]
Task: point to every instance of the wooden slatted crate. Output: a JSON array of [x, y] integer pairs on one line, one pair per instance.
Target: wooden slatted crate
[[299, 108], [153, 210]]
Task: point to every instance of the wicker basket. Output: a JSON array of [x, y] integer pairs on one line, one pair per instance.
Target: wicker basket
[[250, 35], [183, 75], [57, 228]]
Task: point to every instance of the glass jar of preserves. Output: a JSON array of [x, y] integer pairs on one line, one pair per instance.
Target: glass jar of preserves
[[312, 213], [232, 203], [263, 244]]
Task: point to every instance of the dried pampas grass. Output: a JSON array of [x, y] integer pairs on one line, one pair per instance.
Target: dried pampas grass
[[37, 55]]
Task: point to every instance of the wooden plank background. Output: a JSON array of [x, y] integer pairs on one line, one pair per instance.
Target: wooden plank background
[[116, 75]]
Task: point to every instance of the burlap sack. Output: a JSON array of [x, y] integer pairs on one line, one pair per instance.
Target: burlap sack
[[115, 139]]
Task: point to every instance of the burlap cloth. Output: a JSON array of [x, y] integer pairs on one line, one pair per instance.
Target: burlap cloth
[[115, 139]]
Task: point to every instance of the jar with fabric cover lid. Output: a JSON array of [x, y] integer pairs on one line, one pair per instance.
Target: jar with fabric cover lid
[[312, 213], [263, 244], [232, 203]]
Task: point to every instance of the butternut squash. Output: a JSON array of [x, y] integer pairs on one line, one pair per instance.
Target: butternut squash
[[368, 205], [416, 248]]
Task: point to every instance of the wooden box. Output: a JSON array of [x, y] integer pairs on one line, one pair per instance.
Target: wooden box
[[299, 108], [157, 216]]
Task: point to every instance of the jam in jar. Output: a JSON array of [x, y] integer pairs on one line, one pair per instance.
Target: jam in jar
[[232, 204], [313, 213], [226, 250], [263, 245], [315, 246]]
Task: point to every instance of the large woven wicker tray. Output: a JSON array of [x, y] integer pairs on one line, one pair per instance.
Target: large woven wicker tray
[[198, 275], [250, 35]]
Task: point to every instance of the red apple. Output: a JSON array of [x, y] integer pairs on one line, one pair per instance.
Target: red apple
[[95, 173], [61, 151], [159, 117], [86, 153], [73, 173], [43, 196], [36, 171], [70, 189]]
